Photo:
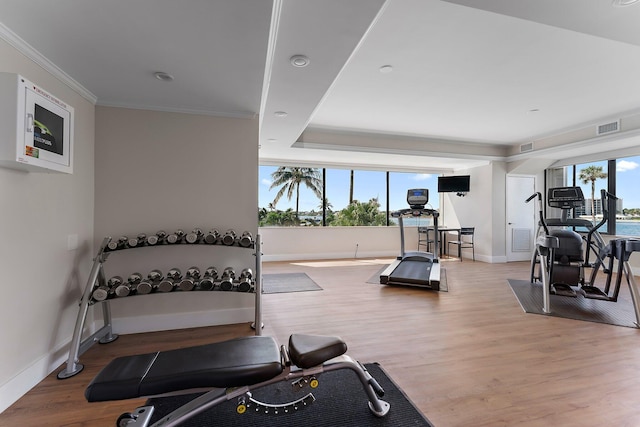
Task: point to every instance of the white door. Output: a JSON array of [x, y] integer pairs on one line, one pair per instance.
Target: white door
[[521, 220]]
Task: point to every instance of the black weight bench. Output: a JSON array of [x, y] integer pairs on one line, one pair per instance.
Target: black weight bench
[[226, 370]]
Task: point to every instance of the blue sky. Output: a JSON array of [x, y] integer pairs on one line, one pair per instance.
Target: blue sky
[[369, 184], [627, 181]]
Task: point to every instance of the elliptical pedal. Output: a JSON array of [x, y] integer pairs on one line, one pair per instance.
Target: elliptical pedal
[[564, 290], [593, 292]]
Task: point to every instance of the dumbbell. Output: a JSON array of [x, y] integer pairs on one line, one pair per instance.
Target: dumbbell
[[126, 289], [195, 236], [169, 282], [137, 241], [103, 292], [227, 279], [208, 281], [176, 237], [118, 244], [212, 237], [154, 239], [229, 238], [190, 279], [147, 285], [246, 239], [245, 284]]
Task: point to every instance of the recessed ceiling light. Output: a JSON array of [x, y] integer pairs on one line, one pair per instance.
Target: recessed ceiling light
[[623, 3], [162, 76], [280, 114], [385, 69], [299, 61]]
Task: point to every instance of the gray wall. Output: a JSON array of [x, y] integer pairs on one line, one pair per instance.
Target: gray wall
[[42, 280], [167, 171]]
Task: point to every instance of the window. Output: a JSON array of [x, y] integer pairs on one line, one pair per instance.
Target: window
[[400, 182], [365, 200], [619, 177], [627, 177]]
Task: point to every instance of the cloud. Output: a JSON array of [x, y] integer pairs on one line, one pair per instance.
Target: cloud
[[625, 165], [266, 182], [421, 176]]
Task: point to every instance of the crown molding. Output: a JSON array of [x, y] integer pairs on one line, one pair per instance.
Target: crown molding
[[27, 50]]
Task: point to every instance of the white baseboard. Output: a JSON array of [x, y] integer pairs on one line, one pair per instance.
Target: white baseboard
[[24, 381], [28, 378]]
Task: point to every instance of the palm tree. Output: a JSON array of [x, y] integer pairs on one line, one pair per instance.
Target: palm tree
[[290, 178], [591, 174]]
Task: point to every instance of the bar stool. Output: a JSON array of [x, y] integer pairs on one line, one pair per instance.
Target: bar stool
[[465, 241], [423, 238]]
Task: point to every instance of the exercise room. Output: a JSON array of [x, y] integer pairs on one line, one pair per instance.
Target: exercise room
[[284, 213]]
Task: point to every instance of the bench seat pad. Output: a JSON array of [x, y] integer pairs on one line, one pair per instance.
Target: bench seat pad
[[234, 363]]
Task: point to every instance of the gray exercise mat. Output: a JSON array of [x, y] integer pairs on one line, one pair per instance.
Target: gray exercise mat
[[288, 282], [529, 296]]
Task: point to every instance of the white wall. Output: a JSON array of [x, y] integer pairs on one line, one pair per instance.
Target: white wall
[[306, 243], [42, 279], [165, 171], [483, 207]]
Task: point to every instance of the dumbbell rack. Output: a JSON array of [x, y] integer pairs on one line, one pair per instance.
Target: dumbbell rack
[[105, 334]]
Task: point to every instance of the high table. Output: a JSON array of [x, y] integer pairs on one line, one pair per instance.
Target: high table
[[442, 237]]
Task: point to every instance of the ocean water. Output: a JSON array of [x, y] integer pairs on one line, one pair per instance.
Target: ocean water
[[628, 228]]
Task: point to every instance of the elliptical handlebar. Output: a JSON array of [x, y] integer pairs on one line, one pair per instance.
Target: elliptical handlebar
[[538, 195]]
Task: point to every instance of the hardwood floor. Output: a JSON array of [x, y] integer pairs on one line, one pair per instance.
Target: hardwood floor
[[467, 357]]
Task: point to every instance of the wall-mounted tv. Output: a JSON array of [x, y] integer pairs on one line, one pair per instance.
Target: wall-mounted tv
[[454, 184]]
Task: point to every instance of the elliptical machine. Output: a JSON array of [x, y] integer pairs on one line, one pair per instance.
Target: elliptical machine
[[566, 262], [559, 259]]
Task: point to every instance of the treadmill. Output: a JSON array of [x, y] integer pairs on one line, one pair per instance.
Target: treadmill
[[417, 268]]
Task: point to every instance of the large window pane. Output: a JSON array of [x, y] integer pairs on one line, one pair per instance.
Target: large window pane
[[592, 178], [298, 204], [357, 201], [628, 203], [400, 182]]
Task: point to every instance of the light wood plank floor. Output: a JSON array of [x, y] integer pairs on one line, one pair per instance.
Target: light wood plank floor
[[467, 357]]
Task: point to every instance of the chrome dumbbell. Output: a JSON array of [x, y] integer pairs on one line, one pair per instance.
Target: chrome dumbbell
[[245, 284], [170, 281], [159, 237], [228, 274], [229, 238], [194, 237], [104, 292], [190, 278], [246, 240], [176, 237], [121, 243], [125, 289], [146, 286], [208, 280], [137, 241], [212, 237]]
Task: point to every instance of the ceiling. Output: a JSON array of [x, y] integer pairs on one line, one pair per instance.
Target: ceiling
[[469, 80]]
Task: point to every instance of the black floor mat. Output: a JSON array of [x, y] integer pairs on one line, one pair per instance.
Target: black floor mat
[[619, 313], [340, 401]]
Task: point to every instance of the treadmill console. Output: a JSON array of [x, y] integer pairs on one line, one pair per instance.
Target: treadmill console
[[565, 197], [417, 198]]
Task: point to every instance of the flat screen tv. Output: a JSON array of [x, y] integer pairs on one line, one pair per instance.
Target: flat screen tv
[[454, 184]]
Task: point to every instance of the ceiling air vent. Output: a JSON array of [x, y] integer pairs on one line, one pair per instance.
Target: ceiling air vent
[[524, 148], [608, 128]]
